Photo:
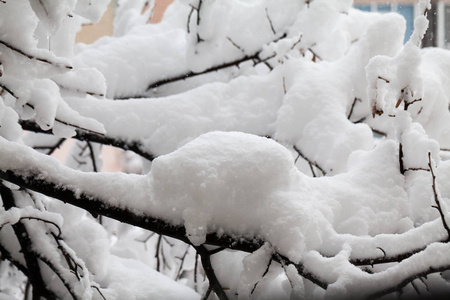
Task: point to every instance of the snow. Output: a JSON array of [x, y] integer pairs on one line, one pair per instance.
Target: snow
[[126, 277], [324, 90]]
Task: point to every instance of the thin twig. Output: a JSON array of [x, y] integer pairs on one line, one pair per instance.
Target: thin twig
[[253, 57], [51, 149], [26, 244], [180, 268], [297, 42], [235, 45], [44, 60], [353, 106], [400, 159], [208, 292], [91, 136], [92, 156], [407, 280], [81, 91], [310, 162], [270, 22], [158, 246], [436, 199], [264, 274]]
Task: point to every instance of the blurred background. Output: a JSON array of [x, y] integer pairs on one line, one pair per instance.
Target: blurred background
[[91, 32], [438, 34]]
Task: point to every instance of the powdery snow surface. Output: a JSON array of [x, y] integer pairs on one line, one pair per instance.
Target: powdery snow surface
[[320, 138]]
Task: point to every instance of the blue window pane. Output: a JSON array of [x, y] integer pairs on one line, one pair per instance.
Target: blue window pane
[[362, 7], [407, 11], [384, 8]]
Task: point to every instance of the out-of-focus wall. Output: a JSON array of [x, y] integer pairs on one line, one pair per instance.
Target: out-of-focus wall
[[91, 32], [160, 8]]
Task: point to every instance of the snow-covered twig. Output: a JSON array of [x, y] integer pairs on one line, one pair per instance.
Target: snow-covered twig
[[408, 280], [438, 205], [255, 57], [84, 135], [44, 60], [31, 260], [302, 271], [98, 206]]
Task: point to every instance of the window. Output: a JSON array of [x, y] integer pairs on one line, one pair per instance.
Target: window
[[406, 10], [447, 26]]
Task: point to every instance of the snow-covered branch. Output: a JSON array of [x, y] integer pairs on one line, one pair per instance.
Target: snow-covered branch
[[104, 139], [346, 199]]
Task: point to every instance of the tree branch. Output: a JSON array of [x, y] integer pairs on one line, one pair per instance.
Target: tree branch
[[96, 206], [310, 162], [436, 199], [209, 271], [84, 135], [32, 263], [408, 280], [253, 57], [44, 60], [70, 193]]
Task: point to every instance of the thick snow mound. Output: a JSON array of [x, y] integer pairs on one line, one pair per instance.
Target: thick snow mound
[[235, 183]]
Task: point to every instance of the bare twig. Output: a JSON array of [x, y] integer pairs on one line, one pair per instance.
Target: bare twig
[[180, 268], [400, 159], [310, 162], [158, 247], [384, 79], [270, 22], [353, 106], [198, 9], [189, 18], [297, 42], [8, 90], [417, 169], [92, 156], [315, 55], [264, 274], [235, 45], [98, 290], [52, 148]]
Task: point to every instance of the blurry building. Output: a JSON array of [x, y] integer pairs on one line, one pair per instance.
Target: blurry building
[[438, 33], [91, 32]]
